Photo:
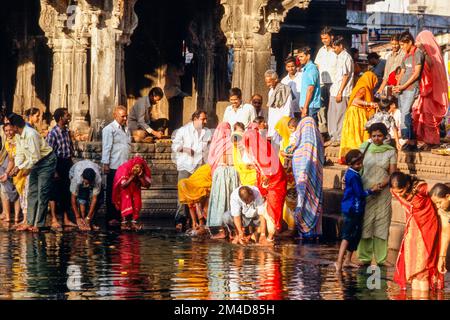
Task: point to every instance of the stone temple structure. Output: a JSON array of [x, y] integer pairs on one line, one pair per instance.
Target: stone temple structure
[[89, 55]]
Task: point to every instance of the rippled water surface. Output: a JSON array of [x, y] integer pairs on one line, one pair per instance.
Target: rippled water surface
[[157, 264]]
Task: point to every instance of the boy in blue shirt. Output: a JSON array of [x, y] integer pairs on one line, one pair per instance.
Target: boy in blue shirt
[[352, 207]]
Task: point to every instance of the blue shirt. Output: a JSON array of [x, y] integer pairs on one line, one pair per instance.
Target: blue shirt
[[354, 199], [310, 77]]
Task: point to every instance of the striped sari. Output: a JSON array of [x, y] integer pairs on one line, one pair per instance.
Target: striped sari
[[307, 165]]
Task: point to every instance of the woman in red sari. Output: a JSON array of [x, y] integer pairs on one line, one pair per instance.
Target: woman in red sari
[[431, 107], [129, 178], [419, 251], [271, 178]]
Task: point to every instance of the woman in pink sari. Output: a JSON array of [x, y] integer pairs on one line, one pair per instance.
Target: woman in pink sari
[[431, 106], [129, 178]]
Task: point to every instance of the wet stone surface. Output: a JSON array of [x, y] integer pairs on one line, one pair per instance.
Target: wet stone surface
[[158, 264]]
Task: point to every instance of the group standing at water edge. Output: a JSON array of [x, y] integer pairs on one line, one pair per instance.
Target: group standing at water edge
[[259, 174]]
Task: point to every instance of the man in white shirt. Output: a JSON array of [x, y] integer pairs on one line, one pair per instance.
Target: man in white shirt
[[279, 101], [247, 210], [116, 144], [190, 145], [294, 80], [237, 111], [340, 91], [326, 62]]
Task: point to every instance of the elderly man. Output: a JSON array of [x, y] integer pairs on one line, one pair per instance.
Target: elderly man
[[190, 145], [279, 101], [142, 120], [37, 158], [247, 211], [116, 144]]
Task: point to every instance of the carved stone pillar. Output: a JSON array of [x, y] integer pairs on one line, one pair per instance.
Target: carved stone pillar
[[25, 95], [248, 26]]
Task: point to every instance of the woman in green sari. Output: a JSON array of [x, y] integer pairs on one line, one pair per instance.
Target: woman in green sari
[[380, 161]]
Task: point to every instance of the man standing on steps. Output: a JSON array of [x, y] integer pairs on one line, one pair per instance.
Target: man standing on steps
[[326, 62], [190, 145], [116, 144], [340, 91]]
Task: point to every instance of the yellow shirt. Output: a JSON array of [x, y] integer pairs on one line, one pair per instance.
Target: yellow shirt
[[30, 148]]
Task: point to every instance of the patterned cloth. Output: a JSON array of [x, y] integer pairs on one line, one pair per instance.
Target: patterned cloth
[[307, 165], [224, 181], [59, 140]]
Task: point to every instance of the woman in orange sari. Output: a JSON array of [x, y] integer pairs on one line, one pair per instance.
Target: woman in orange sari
[[431, 107], [360, 109], [271, 178], [126, 196], [418, 256]]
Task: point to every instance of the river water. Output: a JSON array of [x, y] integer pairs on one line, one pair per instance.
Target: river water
[[158, 264]]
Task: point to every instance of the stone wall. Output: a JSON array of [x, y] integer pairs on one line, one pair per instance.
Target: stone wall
[[161, 198]]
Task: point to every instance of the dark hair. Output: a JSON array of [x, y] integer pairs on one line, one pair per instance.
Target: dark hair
[[373, 55], [245, 190], [440, 190], [338, 41], [239, 125], [354, 50], [32, 111], [59, 113], [16, 120], [293, 122], [289, 60], [378, 126], [395, 37], [353, 156], [400, 180], [305, 50], [156, 92], [6, 125], [406, 37], [256, 95], [327, 30], [259, 119], [235, 92], [385, 104], [197, 114], [398, 70], [89, 175]]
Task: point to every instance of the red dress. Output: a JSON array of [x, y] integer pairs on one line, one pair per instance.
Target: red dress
[[419, 250], [271, 177]]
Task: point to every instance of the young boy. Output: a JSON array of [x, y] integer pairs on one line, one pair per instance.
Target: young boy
[[352, 207], [385, 117], [292, 125]]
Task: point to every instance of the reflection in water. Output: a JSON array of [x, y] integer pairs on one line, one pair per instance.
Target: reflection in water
[[153, 265]]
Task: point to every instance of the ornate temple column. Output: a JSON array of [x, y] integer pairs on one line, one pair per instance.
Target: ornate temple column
[[248, 26], [25, 95]]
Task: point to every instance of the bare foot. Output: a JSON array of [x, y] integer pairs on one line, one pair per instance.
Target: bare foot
[[34, 229], [338, 267], [82, 225], [23, 227], [220, 235], [55, 226], [125, 226], [351, 265], [136, 226]]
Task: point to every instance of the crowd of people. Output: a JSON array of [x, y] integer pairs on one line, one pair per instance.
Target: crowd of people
[[260, 172], [262, 175]]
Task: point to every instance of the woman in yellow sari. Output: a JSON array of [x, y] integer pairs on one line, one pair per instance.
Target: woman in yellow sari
[[246, 171], [282, 128], [194, 192], [360, 109]]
